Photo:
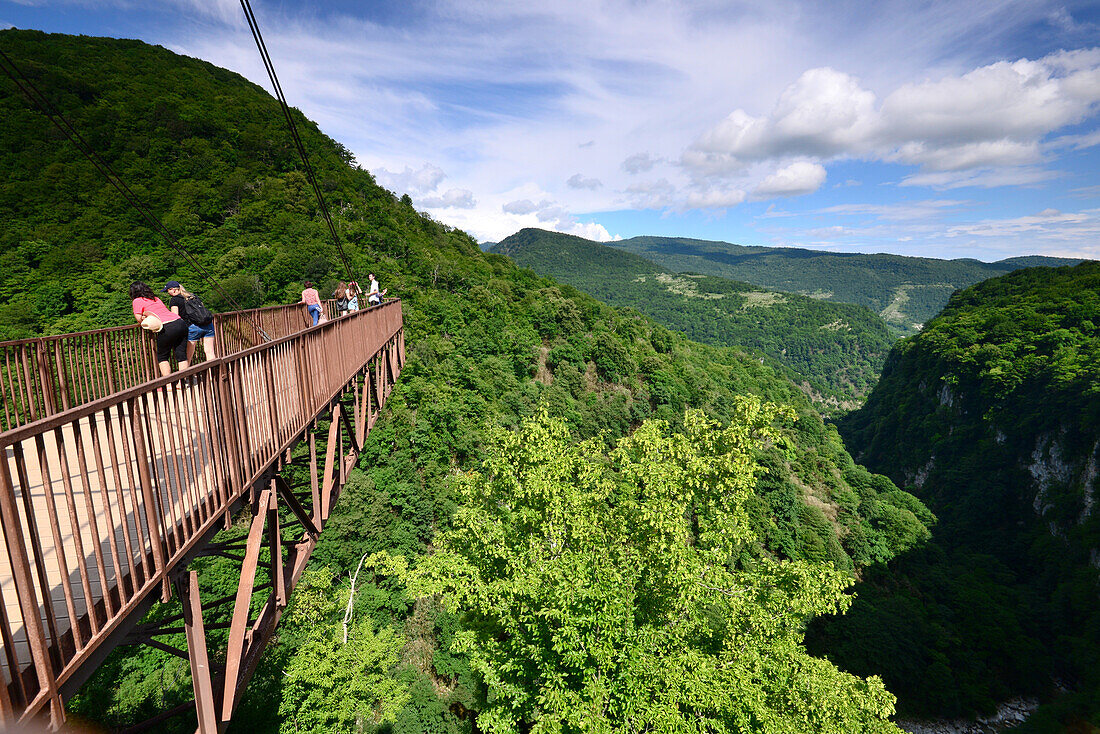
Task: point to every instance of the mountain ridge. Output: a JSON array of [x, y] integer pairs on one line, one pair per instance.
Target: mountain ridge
[[833, 350], [870, 280]]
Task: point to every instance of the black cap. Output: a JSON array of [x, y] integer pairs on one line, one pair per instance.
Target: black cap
[[170, 284]]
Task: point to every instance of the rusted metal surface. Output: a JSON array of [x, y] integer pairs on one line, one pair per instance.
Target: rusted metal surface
[[46, 375], [104, 504]]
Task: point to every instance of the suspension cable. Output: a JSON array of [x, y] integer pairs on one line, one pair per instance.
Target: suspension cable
[[29, 90], [266, 57]]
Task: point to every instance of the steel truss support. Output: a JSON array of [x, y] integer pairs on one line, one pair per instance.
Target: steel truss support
[[218, 688]]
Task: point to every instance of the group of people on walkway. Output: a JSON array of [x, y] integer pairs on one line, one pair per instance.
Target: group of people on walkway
[[185, 321], [179, 326], [346, 295]]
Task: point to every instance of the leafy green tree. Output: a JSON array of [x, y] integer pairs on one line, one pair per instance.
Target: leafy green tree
[[609, 591], [332, 685]]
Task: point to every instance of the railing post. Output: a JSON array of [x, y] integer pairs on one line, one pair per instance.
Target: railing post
[[28, 601], [156, 537], [107, 356], [46, 377]]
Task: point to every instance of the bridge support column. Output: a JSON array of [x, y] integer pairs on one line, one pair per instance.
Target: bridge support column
[[197, 655]]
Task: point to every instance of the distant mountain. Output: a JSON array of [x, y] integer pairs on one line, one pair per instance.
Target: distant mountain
[[991, 416], [834, 350], [906, 291]]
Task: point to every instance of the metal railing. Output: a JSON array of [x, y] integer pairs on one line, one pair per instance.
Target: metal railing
[[46, 375], [103, 498]]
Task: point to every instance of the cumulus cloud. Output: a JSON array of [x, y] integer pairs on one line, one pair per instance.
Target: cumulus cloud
[[639, 163], [451, 199], [424, 180], [592, 231], [825, 113], [994, 116], [801, 177], [519, 206], [577, 181]]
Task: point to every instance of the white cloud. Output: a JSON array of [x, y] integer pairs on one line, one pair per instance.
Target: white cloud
[[995, 116], [639, 163], [987, 179], [909, 211], [1075, 142], [421, 181], [577, 181], [659, 194], [520, 206], [714, 199], [1047, 224], [825, 113], [451, 199], [800, 177], [592, 231]]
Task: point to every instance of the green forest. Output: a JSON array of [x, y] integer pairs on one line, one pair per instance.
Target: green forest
[[906, 291], [835, 350], [733, 513], [992, 417]]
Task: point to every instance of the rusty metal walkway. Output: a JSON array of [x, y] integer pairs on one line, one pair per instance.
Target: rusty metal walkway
[[112, 480]]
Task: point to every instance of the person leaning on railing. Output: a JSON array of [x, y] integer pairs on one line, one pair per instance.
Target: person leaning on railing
[[312, 299], [179, 301], [170, 329]]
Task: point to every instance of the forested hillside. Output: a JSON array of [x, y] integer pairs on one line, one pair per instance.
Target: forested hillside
[[834, 350], [906, 291], [696, 544], [992, 416]]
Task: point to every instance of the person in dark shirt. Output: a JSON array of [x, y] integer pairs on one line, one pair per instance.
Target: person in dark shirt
[[195, 332]]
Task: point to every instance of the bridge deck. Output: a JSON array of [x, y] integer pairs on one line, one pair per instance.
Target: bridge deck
[[103, 502]]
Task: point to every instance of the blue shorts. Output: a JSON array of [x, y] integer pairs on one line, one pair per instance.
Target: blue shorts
[[194, 333]]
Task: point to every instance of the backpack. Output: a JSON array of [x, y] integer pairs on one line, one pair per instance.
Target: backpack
[[197, 313]]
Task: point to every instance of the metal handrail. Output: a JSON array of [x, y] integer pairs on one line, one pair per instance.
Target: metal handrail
[[42, 376], [101, 503]]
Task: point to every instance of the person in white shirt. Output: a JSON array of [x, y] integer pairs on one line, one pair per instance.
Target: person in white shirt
[[374, 296]]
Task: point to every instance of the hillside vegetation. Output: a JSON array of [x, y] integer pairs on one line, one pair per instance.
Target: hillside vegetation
[[992, 416], [906, 291], [834, 350]]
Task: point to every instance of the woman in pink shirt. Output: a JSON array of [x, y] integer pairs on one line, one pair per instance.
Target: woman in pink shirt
[[172, 337], [312, 299]]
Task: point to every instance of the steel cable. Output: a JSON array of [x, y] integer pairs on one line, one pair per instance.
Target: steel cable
[[270, 67]]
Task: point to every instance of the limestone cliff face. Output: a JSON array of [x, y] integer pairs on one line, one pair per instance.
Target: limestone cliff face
[[992, 412], [991, 416], [1064, 488]]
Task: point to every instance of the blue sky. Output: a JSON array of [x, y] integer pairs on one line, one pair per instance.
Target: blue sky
[[943, 129]]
